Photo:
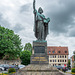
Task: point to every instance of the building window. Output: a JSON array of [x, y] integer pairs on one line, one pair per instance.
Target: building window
[[55, 56], [65, 60], [55, 60], [65, 56], [65, 51], [58, 51], [51, 56], [53, 51], [60, 56], [58, 60], [59, 64], [49, 52], [50, 60]]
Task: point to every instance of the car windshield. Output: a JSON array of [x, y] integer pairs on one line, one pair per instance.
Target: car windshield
[[4, 65], [21, 65], [13, 66], [0, 66]]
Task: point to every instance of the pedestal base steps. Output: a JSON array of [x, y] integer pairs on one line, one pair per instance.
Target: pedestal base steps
[[33, 69]]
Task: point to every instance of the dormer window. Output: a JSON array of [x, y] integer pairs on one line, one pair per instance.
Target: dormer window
[[53, 51], [65, 51], [49, 52], [58, 51]]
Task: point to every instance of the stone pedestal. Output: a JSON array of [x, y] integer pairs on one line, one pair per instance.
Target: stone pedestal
[[34, 69], [40, 53], [39, 62]]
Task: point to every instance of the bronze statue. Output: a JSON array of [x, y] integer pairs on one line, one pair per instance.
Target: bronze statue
[[41, 24]]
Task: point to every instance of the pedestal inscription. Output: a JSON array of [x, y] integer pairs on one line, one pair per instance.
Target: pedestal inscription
[[39, 49], [39, 59]]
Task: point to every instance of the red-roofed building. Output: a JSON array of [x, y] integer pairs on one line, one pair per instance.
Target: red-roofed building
[[57, 55]]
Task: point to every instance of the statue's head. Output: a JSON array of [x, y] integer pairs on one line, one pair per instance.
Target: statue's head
[[40, 10]]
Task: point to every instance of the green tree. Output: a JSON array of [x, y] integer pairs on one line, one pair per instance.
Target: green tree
[[69, 63], [28, 46], [10, 44], [74, 58], [25, 57]]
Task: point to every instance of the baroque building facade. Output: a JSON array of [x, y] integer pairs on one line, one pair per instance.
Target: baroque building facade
[[58, 55]]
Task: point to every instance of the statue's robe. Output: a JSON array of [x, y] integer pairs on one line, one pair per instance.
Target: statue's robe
[[41, 26], [46, 21]]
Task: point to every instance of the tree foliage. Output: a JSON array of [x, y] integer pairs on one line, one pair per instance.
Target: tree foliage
[[10, 44], [28, 46], [69, 63], [25, 57], [74, 58]]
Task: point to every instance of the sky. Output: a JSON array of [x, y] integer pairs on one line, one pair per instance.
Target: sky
[[18, 16]]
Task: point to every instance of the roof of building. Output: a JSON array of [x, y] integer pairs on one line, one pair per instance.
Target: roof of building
[[53, 50]]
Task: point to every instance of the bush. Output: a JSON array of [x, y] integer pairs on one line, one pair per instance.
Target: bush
[[73, 70], [3, 74], [25, 57], [11, 70]]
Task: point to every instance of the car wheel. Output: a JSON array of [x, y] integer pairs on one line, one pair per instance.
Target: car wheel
[[5, 69]]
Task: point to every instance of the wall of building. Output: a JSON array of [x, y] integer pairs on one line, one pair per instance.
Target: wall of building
[[58, 60], [10, 62]]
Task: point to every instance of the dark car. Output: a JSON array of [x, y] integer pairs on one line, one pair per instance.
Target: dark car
[[14, 66], [5, 66], [64, 68]]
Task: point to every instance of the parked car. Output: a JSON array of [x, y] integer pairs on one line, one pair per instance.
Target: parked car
[[64, 68], [14, 66], [69, 68], [21, 66], [59, 67], [5, 66], [1, 68]]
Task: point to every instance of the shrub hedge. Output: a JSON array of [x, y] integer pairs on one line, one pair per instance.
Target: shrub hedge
[[73, 70], [11, 70]]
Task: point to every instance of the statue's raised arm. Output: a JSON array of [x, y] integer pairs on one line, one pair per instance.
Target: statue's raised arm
[[34, 11], [34, 5]]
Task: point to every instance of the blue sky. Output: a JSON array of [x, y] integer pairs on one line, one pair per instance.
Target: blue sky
[[18, 16]]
